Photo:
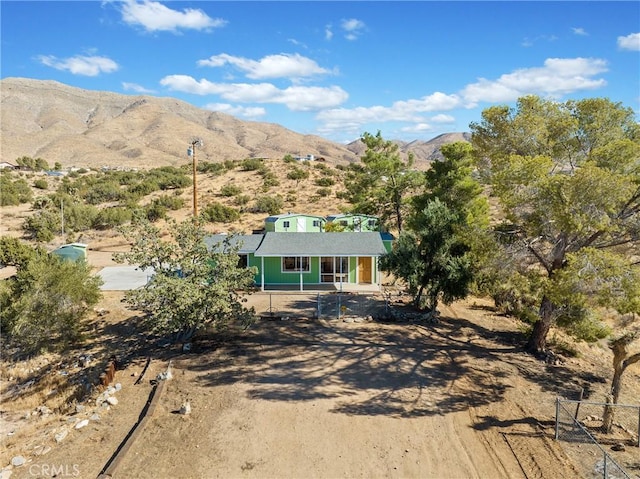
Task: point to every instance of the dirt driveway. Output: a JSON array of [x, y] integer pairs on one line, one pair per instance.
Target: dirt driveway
[[330, 399]]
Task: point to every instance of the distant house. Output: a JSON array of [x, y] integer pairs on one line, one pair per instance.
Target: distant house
[[310, 260], [305, 158], [5, 165], [354, 222], [294, 223]]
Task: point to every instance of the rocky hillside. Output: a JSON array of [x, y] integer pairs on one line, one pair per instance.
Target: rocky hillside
[[77, 127]]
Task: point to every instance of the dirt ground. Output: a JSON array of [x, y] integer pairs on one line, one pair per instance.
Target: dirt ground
[[312, 398]]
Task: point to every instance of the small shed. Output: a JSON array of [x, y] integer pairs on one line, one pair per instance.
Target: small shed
[[294, 223], [72, 252]]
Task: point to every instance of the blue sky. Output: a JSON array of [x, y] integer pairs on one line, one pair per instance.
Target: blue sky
[[412, 70]]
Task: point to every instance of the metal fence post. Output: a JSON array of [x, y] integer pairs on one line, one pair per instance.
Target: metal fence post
[[605, 475], [557, 418], [638, 431]]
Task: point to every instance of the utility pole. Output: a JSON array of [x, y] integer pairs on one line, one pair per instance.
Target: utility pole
[[191, 151]]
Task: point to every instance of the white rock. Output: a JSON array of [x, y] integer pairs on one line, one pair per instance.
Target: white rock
[[5, 473], [82, 424], [112, 400], [18, 461], [118, 386], [61, 435]]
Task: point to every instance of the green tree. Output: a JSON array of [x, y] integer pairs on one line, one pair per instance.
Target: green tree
[[382, 182], [567, 177], [193, 286], [432, 259], [43, 305]]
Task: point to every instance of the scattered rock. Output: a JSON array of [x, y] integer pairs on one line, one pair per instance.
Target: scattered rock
[[95, 417], [186, 347], [80, 408], [17, 461], [118, 386], [43, 410], [5, 473], [112, 400], [618, 447], [185, 408], [61, 435], [81, 424], [134, 374], [41, 450]]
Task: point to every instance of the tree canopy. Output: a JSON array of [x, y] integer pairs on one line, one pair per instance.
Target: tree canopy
[[567, 176], [383, 182], [193, 286], [43, 305]]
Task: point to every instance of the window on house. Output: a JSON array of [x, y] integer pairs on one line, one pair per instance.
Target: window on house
[[243, 261], [316, 223], [371, 223], [344, 223], [286, 224], [293, 264]]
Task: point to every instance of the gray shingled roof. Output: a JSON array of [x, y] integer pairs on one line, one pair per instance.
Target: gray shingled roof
[[249, 243], [321, 244]]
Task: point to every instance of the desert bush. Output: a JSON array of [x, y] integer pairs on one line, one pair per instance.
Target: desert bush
[[323, 192], [155, 211], [230, 190], [268, 204], [41, 184], [269, 181], [251, 164], [241, 200], [219, 213], [298, 174], [42, 226], [65, 290], [108, 218], [325, 181], [288, 159], [14, 192], [173, 203]]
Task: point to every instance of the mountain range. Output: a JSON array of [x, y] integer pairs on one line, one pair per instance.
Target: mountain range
[[85, 128]]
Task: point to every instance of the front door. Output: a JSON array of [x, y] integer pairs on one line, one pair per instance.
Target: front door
[[364, 269]]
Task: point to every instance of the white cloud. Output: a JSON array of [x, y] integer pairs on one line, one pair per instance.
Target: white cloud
[[296, 98], [442, 118], [630, 42], [135, 87], [271, 66], [80, 64], [352, 28], [579, 31], [351, 120], [558, 76], [417, 128], [241, 111], [154, 16], [328, 32]]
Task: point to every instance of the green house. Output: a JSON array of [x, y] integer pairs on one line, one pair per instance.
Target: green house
[[353, 222], [307, 261], [294, 223]]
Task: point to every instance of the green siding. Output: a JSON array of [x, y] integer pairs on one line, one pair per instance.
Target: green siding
[[273, 273], [278, 225]]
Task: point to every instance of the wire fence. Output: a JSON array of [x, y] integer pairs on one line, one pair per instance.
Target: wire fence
[[582, 428], [322, 305]]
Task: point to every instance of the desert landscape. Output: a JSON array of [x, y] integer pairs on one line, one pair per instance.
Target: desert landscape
[[305, 397], [296, 396]]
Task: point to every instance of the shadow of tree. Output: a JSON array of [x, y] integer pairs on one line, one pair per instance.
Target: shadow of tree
[[400, 370]]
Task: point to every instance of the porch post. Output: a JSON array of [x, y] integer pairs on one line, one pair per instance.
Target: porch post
[[301, 287], [262, 273]]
